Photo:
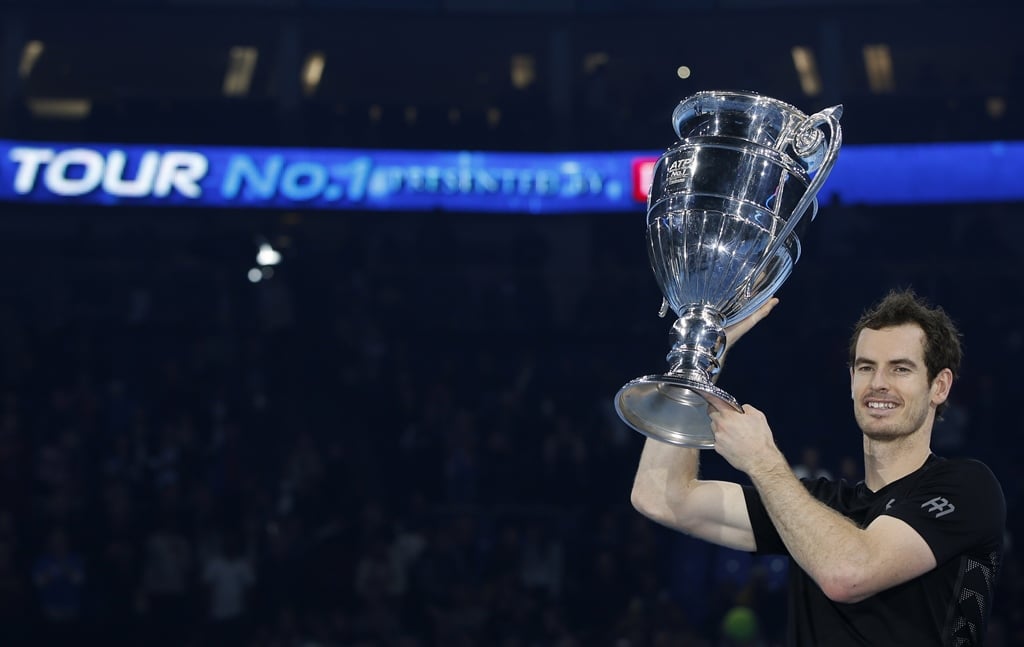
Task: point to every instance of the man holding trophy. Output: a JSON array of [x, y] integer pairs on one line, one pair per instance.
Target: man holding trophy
[[910, 555]]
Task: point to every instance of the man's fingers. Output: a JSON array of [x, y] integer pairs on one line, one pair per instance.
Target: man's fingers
[[763, 311], [740, 328], [751, 409]]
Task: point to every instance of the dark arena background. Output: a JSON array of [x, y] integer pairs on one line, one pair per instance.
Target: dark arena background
[[312, 311]]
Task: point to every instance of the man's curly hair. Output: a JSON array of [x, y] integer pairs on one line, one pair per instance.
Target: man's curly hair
[[941, 337]]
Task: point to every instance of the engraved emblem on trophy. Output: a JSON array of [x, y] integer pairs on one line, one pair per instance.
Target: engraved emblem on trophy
[[727, 206]]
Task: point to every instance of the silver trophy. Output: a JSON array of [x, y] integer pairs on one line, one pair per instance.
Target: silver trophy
[[725, 213]]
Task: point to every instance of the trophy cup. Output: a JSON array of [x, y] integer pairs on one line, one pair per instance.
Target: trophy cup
[[725, 213]]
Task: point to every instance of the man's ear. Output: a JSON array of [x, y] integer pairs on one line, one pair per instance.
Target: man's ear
[[941, 385]]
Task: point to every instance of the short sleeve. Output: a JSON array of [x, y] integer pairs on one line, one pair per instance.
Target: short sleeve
[[766, 538], [956, 505]]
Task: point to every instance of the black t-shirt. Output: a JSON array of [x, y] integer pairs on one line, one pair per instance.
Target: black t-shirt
[[958, 508]]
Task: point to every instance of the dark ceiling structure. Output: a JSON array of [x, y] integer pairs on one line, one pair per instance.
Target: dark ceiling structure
[[557, 74]]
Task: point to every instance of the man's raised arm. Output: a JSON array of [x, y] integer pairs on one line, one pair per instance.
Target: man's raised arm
[[667, 489]]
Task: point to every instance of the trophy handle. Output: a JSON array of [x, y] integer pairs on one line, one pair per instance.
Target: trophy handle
[[806, 140], [663, 310]]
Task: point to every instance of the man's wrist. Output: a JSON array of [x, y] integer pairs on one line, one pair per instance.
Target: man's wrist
[[772, 465]]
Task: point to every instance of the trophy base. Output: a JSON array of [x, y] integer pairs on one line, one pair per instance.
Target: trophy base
[[673, 408]]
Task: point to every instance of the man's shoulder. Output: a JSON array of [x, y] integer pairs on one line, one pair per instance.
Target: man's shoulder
[[960, 466], [958, 480]]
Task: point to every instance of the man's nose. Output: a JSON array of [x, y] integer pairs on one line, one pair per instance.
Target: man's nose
[[879, 382]]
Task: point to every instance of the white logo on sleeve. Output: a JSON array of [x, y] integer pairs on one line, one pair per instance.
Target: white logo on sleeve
[[940, 506]]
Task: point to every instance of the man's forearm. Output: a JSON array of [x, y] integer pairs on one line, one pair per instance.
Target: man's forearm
[[827, 545]]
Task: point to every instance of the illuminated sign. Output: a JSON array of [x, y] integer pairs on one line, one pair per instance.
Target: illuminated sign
[[320, 179], [391, 180]]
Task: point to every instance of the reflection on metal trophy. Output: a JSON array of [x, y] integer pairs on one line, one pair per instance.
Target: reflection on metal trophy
[[725, 214]]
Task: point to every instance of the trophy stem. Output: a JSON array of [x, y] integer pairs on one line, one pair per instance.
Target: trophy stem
[[674, 407], [700, 341]]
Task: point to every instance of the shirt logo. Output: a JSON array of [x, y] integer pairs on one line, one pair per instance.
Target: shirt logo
[[940, 506], [892, 501]]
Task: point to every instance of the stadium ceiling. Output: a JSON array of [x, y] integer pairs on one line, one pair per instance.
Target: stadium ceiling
[[590, 70]]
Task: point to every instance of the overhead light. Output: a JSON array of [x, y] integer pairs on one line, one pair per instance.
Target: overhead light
[[267, 255], [312, 72], [67, 109], [995, 107], [878, 65], [522, 71], [493, 117], [241, 65], [683, 72], [806, 70], [29, 55]]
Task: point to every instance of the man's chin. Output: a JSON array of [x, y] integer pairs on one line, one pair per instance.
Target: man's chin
[[880, 430], [883, 433]]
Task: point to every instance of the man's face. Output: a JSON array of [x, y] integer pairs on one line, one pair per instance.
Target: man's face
[[892, 397]]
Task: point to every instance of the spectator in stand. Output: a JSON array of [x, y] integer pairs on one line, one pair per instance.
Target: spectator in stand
[[59, 579], [228, 576], [810, 466]]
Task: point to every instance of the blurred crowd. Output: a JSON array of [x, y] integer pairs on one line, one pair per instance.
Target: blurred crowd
[[404, 436]]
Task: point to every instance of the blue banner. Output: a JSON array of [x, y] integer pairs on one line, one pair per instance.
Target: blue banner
[[393, 180]]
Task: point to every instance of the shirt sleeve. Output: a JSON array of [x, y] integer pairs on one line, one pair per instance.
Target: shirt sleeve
[[956, 505], [766, 538]]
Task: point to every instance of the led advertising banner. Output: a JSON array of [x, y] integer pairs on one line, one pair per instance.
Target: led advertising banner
[[392, 180]]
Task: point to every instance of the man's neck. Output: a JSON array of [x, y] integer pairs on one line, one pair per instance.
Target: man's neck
[[886, 461]]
